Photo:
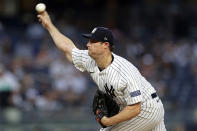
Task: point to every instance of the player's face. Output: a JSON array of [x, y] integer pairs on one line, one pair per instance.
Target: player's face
[[95, 48]]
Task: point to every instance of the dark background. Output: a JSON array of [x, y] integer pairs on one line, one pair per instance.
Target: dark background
[[40, 90]]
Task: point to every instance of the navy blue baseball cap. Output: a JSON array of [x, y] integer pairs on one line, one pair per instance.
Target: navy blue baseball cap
[[100, 34]]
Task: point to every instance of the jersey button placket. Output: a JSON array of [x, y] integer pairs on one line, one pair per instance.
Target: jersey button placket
[[102, 80]]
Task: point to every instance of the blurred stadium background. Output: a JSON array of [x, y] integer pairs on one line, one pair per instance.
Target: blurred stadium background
[[41, 91]]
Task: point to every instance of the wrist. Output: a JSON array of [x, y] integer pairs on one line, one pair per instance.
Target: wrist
[[106, 121], [50, 27]]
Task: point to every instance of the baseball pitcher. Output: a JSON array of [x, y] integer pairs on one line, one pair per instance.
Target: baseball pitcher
[[125, 100]]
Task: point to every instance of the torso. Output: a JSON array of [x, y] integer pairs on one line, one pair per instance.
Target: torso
[[114, 79]]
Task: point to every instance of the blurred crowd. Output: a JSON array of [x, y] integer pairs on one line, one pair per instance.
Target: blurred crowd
[[160, 41], [35, 75]]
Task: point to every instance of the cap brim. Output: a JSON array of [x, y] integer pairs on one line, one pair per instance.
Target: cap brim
[[88, 36]]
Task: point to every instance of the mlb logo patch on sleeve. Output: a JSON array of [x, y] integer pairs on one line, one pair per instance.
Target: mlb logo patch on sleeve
[[135, 93]]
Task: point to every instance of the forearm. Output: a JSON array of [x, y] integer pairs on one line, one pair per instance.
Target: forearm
[[127, 113], [61, 41]]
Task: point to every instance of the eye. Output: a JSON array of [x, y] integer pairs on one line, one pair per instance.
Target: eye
[[93, 41]]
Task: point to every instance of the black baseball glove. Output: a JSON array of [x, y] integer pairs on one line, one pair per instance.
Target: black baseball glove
[[104, 105]]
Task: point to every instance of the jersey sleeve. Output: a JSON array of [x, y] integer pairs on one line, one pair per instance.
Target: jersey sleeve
[[132, 92], [80, 58]]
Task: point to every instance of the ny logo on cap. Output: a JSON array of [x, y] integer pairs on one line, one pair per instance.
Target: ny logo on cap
[[94, 30]]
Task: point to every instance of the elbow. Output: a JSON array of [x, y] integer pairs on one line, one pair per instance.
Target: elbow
[[138, 109], [135, 111]]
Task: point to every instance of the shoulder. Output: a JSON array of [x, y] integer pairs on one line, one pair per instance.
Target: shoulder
[[80, 52], [122, 63], [81, 59], [123, 66]]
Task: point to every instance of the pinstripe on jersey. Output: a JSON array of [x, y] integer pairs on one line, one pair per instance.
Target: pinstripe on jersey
[[126, 85]]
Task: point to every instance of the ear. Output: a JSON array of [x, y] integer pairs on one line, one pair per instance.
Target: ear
[[106, 44]]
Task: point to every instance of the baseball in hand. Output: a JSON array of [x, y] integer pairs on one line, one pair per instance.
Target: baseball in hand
[[40, 7]]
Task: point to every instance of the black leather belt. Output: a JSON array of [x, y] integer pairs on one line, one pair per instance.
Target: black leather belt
[[154, 95]]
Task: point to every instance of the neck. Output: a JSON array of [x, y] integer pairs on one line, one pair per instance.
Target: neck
[[104, 61]]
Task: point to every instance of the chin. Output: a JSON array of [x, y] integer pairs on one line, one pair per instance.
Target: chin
[[90, 54]]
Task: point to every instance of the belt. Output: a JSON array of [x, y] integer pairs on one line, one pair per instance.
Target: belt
[[154, 95]]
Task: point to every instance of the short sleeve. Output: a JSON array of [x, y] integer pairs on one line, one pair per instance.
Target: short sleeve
[[132, 92], [80, 58]]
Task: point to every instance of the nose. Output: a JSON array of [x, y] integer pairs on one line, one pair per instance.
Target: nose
[[88, 44]]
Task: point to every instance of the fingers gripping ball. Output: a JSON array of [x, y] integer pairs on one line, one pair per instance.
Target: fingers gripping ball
[[41, 7]]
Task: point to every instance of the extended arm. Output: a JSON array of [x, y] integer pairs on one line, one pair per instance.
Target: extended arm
[[61, 41], [127, 113]]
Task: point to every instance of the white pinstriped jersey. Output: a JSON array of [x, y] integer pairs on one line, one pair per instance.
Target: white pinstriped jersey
[[122, 81]]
